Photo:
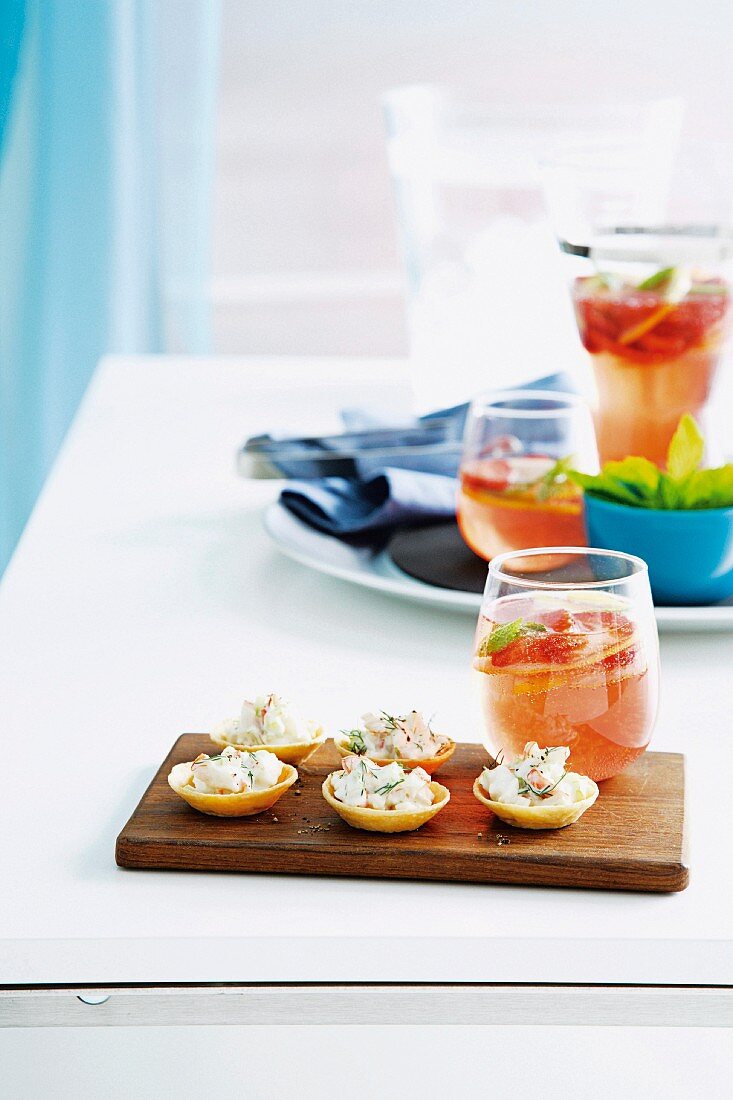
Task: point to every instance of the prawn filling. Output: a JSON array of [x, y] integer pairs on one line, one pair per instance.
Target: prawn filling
[[269, 720], [230, 772], [363, 783], [400, 737], [537, 778]]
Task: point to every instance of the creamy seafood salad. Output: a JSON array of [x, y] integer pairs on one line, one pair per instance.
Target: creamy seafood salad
[[229, 772], [403, 737], [361, 782], [269, 720], [537, 778]]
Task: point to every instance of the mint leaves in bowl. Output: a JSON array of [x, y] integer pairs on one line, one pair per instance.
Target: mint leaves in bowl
[[680, 520]]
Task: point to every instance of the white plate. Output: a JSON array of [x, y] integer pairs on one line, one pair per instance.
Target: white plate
[[371, 569]]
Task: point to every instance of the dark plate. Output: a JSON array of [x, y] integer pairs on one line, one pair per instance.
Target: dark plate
[[437, 555]]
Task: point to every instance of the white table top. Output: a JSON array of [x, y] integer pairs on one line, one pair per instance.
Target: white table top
[[145, 600]]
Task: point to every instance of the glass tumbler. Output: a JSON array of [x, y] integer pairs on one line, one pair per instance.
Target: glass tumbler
[[568, 654], [514, 491]]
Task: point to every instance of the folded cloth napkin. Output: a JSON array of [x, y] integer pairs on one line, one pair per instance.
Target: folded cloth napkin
[[345, 508], [380, 499]]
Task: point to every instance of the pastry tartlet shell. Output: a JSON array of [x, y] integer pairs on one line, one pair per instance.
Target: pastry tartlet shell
[[243, 804], [535, 817], [294, 753], [429, 764], [385, 821]]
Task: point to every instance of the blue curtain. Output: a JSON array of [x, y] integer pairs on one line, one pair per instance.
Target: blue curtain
[[107, 114]]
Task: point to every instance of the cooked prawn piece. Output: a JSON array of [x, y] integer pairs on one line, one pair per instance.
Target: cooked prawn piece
[[536, 779]]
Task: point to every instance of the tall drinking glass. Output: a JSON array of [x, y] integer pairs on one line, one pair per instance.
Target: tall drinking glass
[[513, 486], [568, 655], [485, 300], [647, 240]]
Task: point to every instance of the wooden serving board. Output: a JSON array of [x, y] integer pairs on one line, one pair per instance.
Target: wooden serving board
[[631, 839]]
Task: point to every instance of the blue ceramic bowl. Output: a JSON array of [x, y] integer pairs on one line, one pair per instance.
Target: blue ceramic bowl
[[689, 554]]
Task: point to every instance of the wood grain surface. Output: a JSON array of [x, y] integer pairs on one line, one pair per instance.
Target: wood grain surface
[[633, 838]]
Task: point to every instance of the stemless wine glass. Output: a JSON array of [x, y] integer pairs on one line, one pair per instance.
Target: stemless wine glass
[[513, 487], [567, 654]]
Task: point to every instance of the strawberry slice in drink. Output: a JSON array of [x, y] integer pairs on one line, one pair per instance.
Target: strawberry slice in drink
[[560, 621], [506, 503], [621, 659], [519, 473], [654, 354], [492, 475], [607, 622], [540, 649]]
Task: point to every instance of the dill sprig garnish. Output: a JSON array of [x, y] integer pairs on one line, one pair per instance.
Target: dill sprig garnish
[[389, 720], [396, 722], [356, 741], [389, 787], [545, 791]]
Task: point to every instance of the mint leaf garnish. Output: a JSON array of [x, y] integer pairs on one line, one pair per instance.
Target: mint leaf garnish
[[685, 449], [633, 480], [659, 278], [670, 494], [547, 484], [708, 489], [502, 636], [675, 283], [555, 477], [683, 486]]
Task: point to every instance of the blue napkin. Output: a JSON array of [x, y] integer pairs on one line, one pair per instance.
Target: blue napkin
[[345, 508], [380, 499]]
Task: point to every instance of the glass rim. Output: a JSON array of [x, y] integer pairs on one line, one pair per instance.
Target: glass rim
[[567, 403], [495, 568]]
